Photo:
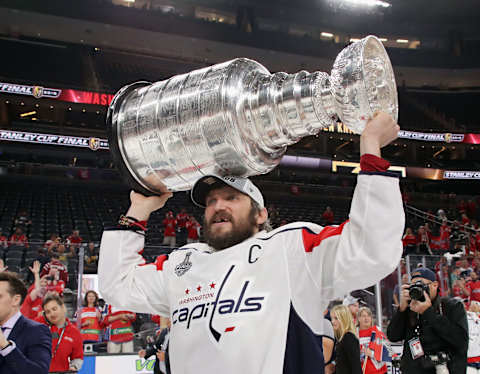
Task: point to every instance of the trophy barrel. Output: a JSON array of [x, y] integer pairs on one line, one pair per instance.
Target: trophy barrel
[[166, 135]]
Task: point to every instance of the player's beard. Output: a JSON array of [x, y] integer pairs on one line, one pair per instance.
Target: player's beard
[[241, 230]]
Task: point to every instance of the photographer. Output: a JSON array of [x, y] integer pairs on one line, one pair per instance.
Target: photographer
[[434, 329]]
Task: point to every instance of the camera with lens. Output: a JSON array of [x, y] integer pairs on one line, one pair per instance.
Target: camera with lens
[[416, 291], [438, 361]]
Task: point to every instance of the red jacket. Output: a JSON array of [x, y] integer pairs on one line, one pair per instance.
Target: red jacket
[[70, 347], [120, 331], [31, 309], [474, 288], [170, 224], [182, 219], [364, 337], [192, 228], [409, 240], [55, 264], [22, 239]]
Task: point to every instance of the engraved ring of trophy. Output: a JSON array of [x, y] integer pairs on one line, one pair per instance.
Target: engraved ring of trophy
[[236, 118]]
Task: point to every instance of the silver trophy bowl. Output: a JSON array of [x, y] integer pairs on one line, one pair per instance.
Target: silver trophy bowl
[[236, 118]]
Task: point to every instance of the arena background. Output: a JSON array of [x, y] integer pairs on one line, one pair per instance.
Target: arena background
[[62, 62]]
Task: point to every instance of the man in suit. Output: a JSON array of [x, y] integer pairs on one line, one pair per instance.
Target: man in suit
[[25, 345]]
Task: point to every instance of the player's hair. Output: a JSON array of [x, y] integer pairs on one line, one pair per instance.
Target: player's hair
[[345, 321], [15, 285], [367, 310], [52, 296], [256, 209]]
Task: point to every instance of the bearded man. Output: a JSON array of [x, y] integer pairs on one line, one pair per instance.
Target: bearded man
[[250, 300]]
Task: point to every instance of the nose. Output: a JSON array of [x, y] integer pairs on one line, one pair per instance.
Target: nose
[[220, 204]]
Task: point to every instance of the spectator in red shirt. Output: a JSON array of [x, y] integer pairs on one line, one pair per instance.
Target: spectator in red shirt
[[442, 262], [3, 240], [365, 329], [121, 330], [74, 239], [32, 305], [54, 264], [67, 343], [328, 216], [476, 263], [169, 234], [91, 318], [443, 280], [409, 241], [18, 238], [428, 229], [193, 228], [474, 287], [423, 241], [465, 220], [444, 235], [459, 289], [182, 219], [51, 244]]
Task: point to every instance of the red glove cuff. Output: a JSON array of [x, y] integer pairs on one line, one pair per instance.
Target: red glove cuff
[[372, 163]]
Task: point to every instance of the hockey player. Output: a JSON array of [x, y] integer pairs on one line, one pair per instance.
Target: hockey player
[[250, 300]]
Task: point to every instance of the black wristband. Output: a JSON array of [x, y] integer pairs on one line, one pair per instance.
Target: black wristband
[[132, 218]]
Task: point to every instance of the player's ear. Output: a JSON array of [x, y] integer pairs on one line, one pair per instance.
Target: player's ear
[[262, 216]]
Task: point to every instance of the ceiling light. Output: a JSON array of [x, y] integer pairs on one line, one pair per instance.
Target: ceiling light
[[354, 40], [326, 34], [369, 3], [34, 118], [383, 39], [26, 114], [403, 41]]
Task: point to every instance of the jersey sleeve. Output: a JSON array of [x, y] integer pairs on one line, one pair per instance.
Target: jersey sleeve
[[125, 281], [328, 262]]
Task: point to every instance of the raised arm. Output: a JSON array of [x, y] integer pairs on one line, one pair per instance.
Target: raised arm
[[124, 281], [368, 246]]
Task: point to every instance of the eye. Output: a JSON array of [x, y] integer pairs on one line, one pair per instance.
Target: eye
[[209, 202]]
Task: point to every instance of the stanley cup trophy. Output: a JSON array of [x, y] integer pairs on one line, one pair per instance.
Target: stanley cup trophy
[[236, 118]]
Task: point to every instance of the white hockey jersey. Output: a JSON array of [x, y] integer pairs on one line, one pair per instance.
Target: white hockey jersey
[[257, 307]]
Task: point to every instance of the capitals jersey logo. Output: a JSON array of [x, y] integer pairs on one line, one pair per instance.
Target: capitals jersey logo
[[244, 303]]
